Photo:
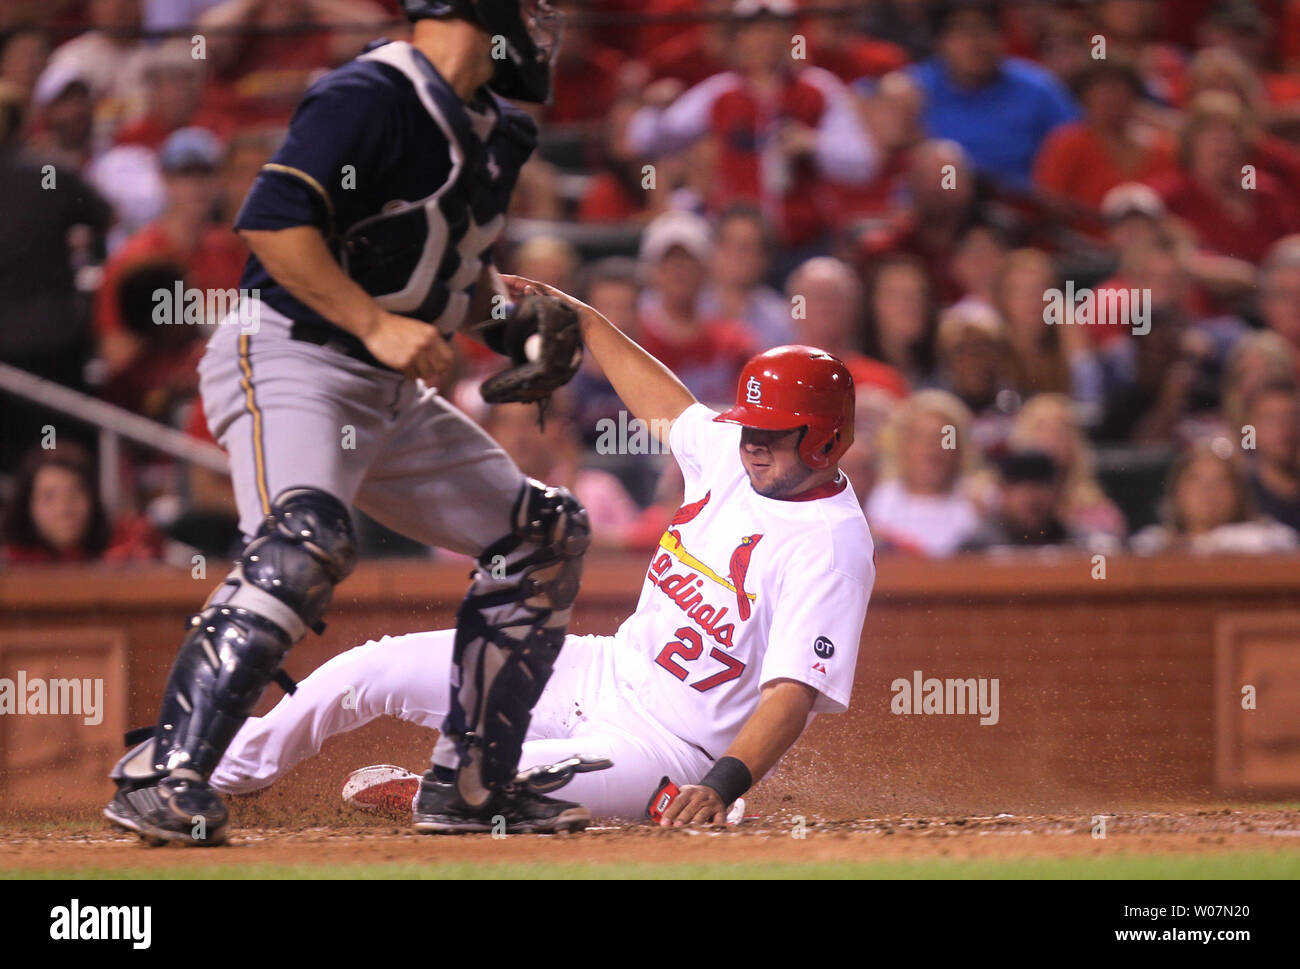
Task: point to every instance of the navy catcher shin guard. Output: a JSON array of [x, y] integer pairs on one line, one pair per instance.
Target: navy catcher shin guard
[[509, 631], [279, 588]]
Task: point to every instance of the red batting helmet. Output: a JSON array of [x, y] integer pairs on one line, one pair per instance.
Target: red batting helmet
[[795, 386]]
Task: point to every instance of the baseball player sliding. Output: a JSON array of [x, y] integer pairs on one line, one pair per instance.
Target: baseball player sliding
[[370, 232], [747, 625]]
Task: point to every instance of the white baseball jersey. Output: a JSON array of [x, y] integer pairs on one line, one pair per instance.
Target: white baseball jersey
[[743, 590]]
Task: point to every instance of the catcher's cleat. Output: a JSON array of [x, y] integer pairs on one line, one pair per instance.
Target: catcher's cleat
[[169, 810], [382, 788], [439, 809]]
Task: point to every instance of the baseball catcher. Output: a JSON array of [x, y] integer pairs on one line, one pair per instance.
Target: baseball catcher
[[370, 232]]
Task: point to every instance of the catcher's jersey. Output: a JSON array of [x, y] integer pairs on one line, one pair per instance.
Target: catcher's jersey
[[408, 184], [743, 590]]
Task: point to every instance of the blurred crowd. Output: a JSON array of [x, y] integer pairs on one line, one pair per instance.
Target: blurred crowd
[[933, 190]]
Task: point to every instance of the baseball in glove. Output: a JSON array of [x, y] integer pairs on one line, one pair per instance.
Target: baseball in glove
[[542, 339]]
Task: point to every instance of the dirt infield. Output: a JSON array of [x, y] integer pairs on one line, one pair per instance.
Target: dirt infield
[[300, 828], [359, 843]]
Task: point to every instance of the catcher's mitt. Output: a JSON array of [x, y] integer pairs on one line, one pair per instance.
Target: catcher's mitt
[[544, 344]]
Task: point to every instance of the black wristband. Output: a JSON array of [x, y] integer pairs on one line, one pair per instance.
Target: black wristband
[[730, 778]]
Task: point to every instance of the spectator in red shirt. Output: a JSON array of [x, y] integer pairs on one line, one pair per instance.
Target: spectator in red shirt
[[1222, 69], [1135, 220], [173, 91], [1131, 28], [1232, 210], [621, 189], [210, 256], [1081, 161], [587, 77], [259, 77], [826, 296], [686, 52], [706, 353], [781, 130], [1245, 30], [646, 38], [835, 45], [941, 188], [55, 515], [891, 110]]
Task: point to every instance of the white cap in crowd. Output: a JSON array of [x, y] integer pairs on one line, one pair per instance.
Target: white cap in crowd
[[754, 8], [57, 78], [685, 229], [1132, 198]]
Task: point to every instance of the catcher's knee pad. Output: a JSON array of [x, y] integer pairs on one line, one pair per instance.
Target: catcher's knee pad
[[279, 588], [509, 631]]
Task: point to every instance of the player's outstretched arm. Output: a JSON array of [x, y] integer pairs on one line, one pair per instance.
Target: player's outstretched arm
[[771, 729], [650, 390], [301, 262]]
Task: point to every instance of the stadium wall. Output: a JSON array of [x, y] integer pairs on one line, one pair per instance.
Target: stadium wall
[[1111, 691]]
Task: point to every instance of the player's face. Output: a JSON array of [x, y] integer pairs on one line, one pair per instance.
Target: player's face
[[771, 459]]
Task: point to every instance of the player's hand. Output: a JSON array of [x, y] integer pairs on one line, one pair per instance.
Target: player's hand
[[414, 348], [695, 804], [521, 286]]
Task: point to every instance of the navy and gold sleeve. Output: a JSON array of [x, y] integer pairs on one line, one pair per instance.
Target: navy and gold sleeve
[[341, 140]]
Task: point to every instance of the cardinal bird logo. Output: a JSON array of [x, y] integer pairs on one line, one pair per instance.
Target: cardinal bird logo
[[689, 511], [739, 566]]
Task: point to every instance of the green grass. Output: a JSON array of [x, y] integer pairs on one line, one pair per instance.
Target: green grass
[[1172, 866]]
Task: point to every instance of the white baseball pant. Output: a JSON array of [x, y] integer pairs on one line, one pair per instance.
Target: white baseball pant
[[590, 706]]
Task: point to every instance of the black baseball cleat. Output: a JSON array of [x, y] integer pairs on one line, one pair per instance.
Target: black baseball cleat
[[439, 809], [169, 810]]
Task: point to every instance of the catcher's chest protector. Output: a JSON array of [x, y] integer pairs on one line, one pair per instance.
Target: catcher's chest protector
[[421, 256]]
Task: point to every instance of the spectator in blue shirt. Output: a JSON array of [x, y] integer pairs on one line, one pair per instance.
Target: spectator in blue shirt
[[998, 108]]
